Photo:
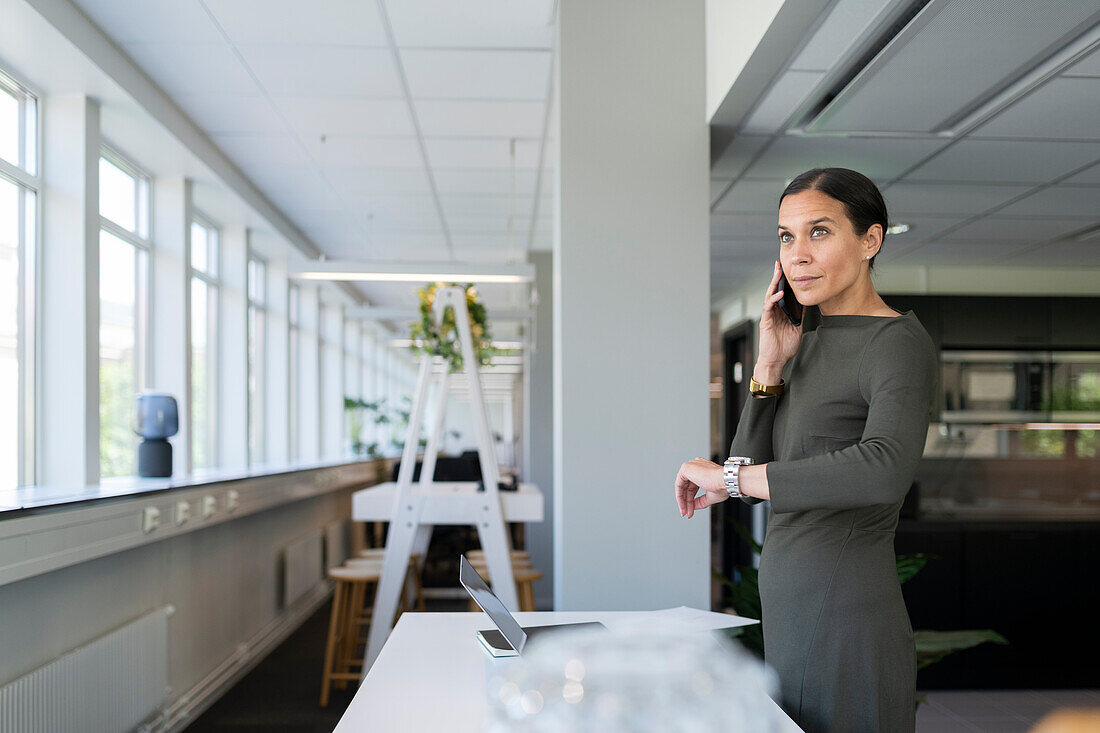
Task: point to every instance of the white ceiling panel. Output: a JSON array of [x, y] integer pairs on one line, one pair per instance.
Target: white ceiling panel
[[324, 71], [841, 28], [267, 157], [476, 74], [876, 158], [485, 205], [219, 114], [1060, 254], [170, 21], [718, 187], [477, 225], [781, 101], [950, 252], [472, 23], [921, 228], [358, 181], [744, 225], [1003, 161], [193, 68], [375, 152], [1067, 201], [488, 181], [752, 196], [1004, 229], [489, 119], [1077, 102], [737, 155], [337, 22], [937, 198], [474, 153], [1089, 175], [312, 117], [1088, 66], [903, 89]]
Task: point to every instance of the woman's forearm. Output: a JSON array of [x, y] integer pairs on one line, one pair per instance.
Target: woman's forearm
[[753, 481]]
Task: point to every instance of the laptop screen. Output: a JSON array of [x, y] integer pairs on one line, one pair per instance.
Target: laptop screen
[[490, 604]]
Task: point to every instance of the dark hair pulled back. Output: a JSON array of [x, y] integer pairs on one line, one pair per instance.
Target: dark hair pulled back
[[862, 200]]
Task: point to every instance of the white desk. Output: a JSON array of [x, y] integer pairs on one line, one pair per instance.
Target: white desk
[[431, 674], [448, 503]]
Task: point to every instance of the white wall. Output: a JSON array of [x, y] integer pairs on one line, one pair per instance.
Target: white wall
[[631, 303]]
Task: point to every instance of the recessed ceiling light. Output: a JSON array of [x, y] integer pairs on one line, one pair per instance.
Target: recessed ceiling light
[[897, 228]]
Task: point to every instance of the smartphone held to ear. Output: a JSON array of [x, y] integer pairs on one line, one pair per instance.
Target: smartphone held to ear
[[788, 303]]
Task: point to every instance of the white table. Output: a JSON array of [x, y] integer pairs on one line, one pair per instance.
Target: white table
[[449, 502], [431, 674]]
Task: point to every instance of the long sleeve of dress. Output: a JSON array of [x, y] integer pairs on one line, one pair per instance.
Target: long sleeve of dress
[[897, 379], [754, 434]]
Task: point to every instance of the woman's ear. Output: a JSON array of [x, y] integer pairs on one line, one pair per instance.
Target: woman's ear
[[872, 241]]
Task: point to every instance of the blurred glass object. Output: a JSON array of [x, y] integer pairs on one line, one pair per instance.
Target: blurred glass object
[[639, 678]]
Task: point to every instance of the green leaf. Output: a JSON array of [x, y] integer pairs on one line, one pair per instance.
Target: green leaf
[[910, 565], [932, 646]]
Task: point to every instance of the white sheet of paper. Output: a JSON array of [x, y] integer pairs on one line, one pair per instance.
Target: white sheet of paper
[[685, 617]]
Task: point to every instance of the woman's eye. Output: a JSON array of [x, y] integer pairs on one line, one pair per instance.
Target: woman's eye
[[785, 237], [823, 230]]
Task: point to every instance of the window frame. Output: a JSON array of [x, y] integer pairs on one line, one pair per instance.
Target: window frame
[[141, 239], [213, 336], [259, 308], [27, 177]]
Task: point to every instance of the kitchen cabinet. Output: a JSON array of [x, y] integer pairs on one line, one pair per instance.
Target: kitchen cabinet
[[995, 322], [1075, 323]]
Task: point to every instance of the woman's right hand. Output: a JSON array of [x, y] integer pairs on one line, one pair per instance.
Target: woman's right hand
[[779, 338]]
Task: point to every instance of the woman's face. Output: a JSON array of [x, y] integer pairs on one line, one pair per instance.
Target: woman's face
[[820, 252]]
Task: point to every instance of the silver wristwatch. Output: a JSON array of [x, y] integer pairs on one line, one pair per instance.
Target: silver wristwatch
[[730, 470]]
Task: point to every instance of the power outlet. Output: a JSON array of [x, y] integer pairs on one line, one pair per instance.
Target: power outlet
[[183, 512], [150, 519], [209, 506], [232, 500]]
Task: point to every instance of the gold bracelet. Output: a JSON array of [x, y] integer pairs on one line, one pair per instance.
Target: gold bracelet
[[766, 390]]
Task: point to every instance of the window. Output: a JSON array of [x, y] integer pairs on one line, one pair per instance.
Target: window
[[294, 318], [257, 373], [18, 248], [123, 308], [204, 344]]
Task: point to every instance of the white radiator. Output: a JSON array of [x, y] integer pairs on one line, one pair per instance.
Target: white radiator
[[114, 683]]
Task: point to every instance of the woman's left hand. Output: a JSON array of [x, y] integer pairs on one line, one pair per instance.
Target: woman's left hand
[[694, 475]]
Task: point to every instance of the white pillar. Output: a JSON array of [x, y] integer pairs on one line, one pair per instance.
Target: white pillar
[[631, 303], [171, 310], [69, 427]]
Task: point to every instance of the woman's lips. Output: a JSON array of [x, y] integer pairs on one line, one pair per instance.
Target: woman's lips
[[803, 280]]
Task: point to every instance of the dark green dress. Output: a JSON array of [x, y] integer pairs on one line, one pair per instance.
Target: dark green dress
[[842, 446]]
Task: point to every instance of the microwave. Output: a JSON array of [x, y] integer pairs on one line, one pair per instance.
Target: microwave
[[1019, 386]]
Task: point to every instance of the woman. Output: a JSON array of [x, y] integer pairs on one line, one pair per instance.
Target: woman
[[835, 452]]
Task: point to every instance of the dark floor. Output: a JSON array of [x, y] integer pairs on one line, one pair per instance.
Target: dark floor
[[280, 695]]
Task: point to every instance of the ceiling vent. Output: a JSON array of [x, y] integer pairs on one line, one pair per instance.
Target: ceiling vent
[[947, 61]]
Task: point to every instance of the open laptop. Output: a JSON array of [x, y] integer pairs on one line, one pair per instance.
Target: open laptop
[[509, 638]]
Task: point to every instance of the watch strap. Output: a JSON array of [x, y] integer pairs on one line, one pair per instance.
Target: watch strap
[[767, 390]]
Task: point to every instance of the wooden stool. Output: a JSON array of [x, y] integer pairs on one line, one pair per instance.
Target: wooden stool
[[413, 576], [348, 606], [525, 577]]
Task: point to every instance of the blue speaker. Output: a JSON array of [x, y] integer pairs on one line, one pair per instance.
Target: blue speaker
[[156, 420]]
